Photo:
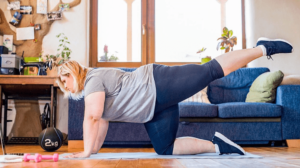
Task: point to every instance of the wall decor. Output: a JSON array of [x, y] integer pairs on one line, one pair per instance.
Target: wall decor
[[8, 41], [41, 6], [26, 10], [64, 7], [31, 48], [14, 5], [25, 33], [37, 27], [54, 15], [15, 20]]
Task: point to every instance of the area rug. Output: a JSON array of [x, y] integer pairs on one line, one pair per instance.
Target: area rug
[[145, 155]]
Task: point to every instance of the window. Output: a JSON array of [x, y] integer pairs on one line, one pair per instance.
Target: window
[[132, 33], [119, 30]]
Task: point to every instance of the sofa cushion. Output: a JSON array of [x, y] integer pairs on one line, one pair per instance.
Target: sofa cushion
[[264, 87], [233, 87], [244, 110], [196, 109]]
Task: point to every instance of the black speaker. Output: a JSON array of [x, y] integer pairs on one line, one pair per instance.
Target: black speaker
[[51, 139]]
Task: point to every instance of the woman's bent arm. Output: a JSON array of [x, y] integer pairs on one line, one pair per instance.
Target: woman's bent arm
[[103, 127], [94, 105]]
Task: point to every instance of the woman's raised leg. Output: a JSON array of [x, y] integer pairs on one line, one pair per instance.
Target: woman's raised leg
[[176, 83], [265, 47], [230, 62], [234, 60]]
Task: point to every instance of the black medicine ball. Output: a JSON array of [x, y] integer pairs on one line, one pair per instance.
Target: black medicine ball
[[50, 139]]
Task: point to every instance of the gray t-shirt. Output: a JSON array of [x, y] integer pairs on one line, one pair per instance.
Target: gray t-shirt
[[129, 96]]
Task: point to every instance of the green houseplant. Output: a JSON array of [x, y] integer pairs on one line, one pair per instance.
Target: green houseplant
[[105, 57], [227, 40], [63, 51]]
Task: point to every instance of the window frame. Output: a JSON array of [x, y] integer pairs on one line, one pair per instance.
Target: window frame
[[148, 39]]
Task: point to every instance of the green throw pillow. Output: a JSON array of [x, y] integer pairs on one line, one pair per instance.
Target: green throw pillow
[[263, 89]]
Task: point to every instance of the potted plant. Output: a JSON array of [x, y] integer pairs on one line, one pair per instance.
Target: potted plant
[[113, 58], [227, 40], [105, 58], [63, 54]]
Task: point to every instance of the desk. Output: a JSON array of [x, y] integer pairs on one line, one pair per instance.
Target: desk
[[28, 88]]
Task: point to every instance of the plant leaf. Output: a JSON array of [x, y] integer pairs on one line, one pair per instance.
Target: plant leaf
[[227, 49], [229, 43], [230, 33], [200, 51], [234, 40], [225, 30], [60, 62], [221, 43], [224, 35], [222, 38], [222, 48]]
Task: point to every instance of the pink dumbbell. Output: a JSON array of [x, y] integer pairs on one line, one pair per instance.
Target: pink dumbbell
[[38, 157], [50, 157]]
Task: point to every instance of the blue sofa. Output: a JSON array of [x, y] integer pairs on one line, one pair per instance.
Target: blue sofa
[[244, 123]]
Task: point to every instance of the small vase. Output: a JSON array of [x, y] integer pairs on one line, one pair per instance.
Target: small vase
[[53, 72]]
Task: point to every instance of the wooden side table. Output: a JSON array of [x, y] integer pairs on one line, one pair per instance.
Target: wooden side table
[[23, 87]]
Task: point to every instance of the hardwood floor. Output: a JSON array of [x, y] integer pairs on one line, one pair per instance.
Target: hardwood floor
[[273, 157]]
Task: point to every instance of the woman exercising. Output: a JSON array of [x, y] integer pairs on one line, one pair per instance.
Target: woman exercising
[[150, 95]]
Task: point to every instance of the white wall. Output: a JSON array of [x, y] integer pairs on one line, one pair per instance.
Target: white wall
[[275, 19], [75, 26]]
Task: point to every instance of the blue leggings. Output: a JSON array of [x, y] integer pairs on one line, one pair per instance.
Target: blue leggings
[[173, 85]]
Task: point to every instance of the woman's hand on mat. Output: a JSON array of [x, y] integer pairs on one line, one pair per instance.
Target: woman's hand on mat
[[75, 153], [78, 155], [93, 152]]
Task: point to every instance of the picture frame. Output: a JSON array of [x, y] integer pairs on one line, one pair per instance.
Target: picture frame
[[26, 10], [54, 15], [14, 5], [16, 18], [8, 41], [37, 27], [64, 7]]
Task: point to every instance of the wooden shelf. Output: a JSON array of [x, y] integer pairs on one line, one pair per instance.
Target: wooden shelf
[[28, 79]]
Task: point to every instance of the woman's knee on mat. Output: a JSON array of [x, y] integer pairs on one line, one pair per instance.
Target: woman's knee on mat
[[164, 150]]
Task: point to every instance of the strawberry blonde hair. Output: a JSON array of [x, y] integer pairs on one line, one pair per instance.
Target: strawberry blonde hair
[[78, 72]]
